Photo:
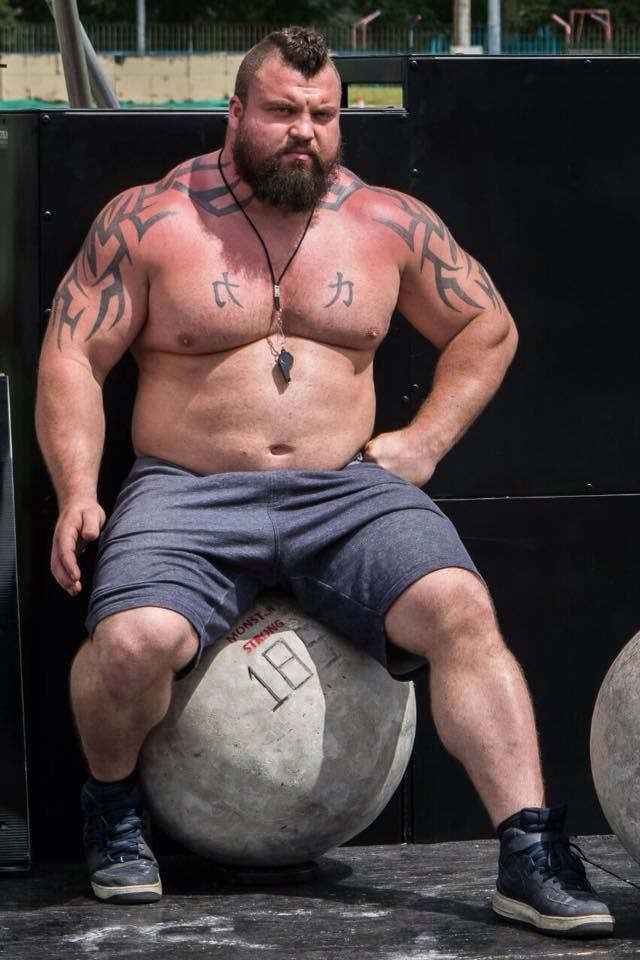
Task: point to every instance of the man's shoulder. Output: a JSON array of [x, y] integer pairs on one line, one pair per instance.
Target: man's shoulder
[[194, 171], [191, 182], [365, 199]]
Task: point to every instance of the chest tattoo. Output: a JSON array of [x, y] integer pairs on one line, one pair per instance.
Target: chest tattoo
[[228, 287], [343, 291]]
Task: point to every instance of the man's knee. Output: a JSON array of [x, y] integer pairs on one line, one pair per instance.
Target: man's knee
[[140, 645], [448, 610]]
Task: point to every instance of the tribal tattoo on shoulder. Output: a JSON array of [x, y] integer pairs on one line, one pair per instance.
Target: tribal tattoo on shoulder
[[95, 266], [414, 215], [213, 200], [339, 193], [135, 207]]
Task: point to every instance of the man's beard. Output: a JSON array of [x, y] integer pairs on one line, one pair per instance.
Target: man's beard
[[294, 186]]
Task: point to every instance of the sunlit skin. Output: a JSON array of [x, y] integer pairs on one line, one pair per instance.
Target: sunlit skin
[[196, 310]]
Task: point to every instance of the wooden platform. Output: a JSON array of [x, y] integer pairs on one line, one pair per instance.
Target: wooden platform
[[422, 902]]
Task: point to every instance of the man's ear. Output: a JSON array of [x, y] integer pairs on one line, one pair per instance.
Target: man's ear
[[236, 110]]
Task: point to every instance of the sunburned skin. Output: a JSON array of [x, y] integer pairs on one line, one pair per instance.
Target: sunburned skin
[[176, 269]]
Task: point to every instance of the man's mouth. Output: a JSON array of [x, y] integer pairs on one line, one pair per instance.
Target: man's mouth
[[297, 152]]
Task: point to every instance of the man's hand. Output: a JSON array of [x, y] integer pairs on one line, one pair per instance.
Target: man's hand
[[400, 453], [79, 523]]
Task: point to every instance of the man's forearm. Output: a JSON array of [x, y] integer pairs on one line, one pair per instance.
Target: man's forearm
[[70, 428]]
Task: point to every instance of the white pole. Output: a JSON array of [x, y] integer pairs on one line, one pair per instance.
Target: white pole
[[462, 23], [494, 43], [141, 22]]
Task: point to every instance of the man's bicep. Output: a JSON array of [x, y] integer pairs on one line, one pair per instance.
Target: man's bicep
[[101, 303], [442, 286]]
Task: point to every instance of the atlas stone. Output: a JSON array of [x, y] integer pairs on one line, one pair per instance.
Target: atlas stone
[[615, 746], [285, 742]]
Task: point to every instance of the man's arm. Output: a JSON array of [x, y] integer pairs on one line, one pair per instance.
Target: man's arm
[[97, 311], [451, 300]]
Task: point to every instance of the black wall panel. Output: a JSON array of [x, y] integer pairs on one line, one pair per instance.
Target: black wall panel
[[15, 840], [532, 163]]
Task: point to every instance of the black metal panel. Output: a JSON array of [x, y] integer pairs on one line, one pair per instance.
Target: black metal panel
[[372, 69], [534, 166], [359, 70], [15, 841], [19, 346], [564, 576]]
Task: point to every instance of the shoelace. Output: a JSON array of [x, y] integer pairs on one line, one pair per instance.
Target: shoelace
[[556, 861], [599, 866], [117, 833]]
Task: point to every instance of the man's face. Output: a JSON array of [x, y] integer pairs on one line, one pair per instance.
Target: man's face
[[286, 138]]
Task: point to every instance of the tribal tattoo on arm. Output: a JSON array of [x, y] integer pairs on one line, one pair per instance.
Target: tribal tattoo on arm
[[448, 270], [100, 262]]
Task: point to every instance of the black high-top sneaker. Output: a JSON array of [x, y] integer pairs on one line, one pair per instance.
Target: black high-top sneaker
[[121, 864], [542, 881]]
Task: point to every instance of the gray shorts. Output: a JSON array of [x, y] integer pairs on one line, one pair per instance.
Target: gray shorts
[[345, 543]]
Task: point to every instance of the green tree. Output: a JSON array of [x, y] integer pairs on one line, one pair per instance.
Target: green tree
[[517, 14], [6, 12]]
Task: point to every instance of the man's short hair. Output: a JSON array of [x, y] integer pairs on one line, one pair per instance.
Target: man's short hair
[[299, 47]]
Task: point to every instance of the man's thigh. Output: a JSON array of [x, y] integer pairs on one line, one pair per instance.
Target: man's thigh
[[386, 535]]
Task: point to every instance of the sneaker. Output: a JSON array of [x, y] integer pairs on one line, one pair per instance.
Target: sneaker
[[121, 864], [542, 881]]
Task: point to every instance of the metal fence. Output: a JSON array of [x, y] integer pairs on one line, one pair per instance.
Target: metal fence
[[180, 39]]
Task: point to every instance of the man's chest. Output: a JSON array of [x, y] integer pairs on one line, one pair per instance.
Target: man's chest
[[216, 294]]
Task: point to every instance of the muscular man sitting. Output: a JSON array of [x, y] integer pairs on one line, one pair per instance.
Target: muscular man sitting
[[253, 286]]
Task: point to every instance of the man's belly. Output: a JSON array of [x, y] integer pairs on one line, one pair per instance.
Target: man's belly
[[214, 415]]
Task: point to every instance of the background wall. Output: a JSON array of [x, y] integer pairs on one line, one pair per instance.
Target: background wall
[[133, 79]]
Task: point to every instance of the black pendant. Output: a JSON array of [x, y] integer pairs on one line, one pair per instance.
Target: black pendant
[[285, 362]]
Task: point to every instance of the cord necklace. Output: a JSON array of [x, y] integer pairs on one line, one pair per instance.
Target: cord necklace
[[284, 359]]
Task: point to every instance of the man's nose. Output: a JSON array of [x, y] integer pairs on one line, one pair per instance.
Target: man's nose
[[302, 127]]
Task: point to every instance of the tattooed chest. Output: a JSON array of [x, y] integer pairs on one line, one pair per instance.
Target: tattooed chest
[[224, 308]]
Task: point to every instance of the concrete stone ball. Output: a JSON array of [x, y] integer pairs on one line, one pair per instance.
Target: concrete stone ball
[[615, 746], [286, 741]]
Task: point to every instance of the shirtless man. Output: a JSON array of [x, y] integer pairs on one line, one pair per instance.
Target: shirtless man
[[253, 286]]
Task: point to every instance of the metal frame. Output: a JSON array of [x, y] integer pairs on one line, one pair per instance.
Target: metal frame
[[82, 72]]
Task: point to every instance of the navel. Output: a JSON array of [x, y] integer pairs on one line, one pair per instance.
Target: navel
[[278, 449]]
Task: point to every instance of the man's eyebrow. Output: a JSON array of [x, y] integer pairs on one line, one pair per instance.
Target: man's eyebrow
[[285, 102], [279, 102]]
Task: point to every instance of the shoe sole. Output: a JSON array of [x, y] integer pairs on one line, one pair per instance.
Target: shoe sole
[[136, 893], [587, 925]]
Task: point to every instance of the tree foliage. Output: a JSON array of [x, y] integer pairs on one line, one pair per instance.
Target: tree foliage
[[517, 14]]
